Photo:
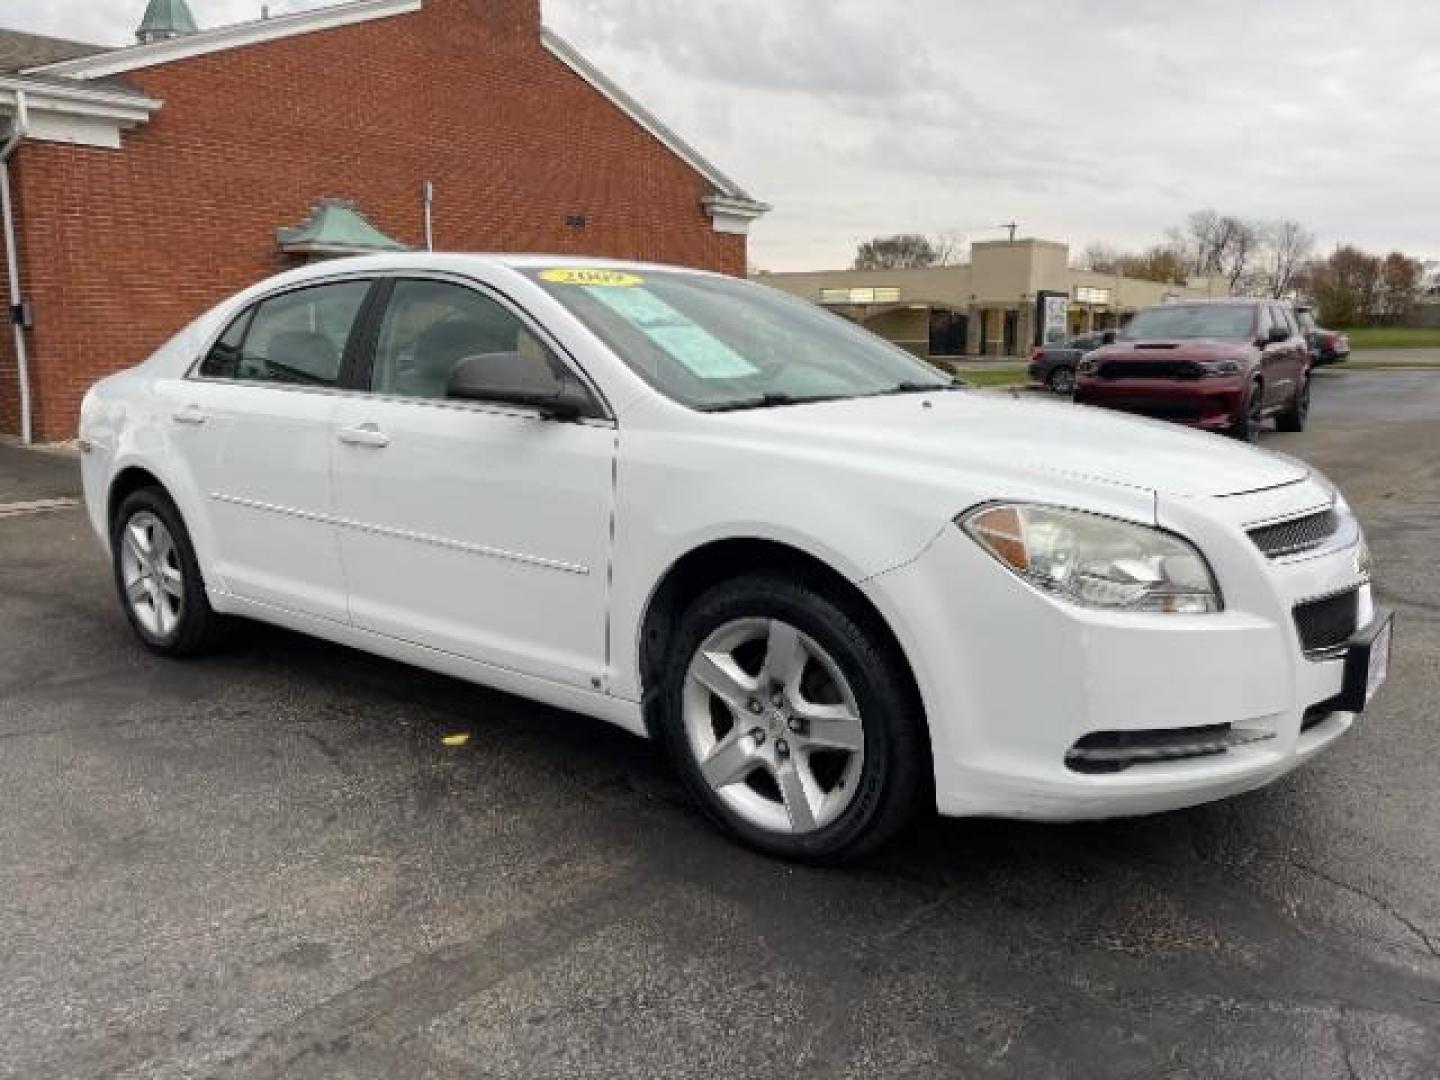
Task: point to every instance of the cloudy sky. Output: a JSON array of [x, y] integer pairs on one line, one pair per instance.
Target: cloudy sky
[[1104, 121]]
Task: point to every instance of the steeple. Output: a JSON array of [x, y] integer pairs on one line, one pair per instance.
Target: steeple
[[165, 19]]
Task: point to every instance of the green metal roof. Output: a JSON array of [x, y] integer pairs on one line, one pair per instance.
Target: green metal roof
[[166, 19], [336, 227]]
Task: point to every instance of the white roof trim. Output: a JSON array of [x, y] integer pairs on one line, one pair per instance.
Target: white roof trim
[[221, 38], [732, 215], [52, 96], [566, 53]]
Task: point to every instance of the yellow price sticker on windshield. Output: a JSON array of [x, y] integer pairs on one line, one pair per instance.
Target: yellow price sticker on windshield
[[605, 279]]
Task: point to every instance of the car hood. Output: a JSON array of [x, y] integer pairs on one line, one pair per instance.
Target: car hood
[[1000, 433], [1189, 349]]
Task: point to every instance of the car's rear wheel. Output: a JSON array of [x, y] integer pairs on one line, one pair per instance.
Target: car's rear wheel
[[1293, 418], [158, 578], [791, 722], [1246, 425], [1062, 381]]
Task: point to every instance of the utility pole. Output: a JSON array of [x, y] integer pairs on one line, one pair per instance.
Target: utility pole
[[1012, 226]]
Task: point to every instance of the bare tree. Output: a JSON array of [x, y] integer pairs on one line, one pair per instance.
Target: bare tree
[[1240, 244], [1101, 258], [905, 251], [1289, 245], [1200, 242], [951, 248]]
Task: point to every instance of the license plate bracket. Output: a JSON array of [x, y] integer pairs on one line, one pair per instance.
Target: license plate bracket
[[1367, 663]]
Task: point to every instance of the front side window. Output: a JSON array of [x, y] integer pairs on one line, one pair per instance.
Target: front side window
[[1180, 322], [297, 338], [713, 342], [430, 326]]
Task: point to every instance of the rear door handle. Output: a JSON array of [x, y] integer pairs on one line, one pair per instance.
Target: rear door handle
[[364, 435], [189, 414]]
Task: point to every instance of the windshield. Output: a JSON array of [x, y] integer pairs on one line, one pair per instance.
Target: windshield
[[717, 343], [1178, 322]]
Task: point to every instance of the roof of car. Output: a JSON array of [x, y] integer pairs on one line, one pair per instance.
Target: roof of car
[[454, 262], [512, 260], [1223, 301]]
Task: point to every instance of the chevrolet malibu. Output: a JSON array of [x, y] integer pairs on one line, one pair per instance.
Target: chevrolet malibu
[[819, 572]]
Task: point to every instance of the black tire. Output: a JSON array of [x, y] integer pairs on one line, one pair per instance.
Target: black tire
[[1062, 381], [198, 627], [1293, 418], [895, 778], [1246, 425]]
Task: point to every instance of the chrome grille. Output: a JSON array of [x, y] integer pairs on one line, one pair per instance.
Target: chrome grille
[[1327, 624], [1297, 534]]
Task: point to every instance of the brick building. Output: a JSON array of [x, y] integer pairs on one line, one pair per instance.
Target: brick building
[[148, 182]]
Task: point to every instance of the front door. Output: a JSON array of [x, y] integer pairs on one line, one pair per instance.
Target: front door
[[480, 530], [254, 422]]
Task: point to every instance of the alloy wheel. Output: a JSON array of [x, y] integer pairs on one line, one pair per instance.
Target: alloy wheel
[[1062, 381], [150, 571], [773, 725]]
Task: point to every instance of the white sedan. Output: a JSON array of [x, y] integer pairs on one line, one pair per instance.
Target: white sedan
[[838, 586]]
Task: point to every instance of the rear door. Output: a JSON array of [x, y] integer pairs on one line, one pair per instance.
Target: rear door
[[253, 422]]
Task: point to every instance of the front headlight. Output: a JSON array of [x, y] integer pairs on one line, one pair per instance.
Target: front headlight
[[1214, 368], [1096, 561]]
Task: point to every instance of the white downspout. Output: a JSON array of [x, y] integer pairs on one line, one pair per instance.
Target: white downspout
[[12, 262], [427, 193]]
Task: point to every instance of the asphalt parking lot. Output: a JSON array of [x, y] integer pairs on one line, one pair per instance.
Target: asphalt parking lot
[[268, 863]]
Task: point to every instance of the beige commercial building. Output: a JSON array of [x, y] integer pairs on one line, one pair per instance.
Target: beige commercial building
[[1011, 296]]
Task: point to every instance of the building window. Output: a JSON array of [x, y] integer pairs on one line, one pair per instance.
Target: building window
[[1089, 294], [861, 295]]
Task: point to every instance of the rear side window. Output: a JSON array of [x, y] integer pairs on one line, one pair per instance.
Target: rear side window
[[1284, 316], [297, 338], [223, 359]]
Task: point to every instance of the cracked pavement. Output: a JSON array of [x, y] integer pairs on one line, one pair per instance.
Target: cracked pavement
[[267, 864]]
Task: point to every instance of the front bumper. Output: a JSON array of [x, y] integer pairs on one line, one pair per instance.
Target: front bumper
[[1209, 403], [1012, 679]]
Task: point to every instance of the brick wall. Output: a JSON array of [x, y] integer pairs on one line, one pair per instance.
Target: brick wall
[[121, 248]]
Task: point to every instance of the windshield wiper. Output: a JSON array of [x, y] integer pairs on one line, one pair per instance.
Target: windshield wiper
[[909, 387], [765, 401]]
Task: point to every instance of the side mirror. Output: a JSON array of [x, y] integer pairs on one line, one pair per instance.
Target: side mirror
[[1276, 335], [510, 379], [1108, 337]]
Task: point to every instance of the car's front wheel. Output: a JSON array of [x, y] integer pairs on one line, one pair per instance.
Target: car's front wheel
[[792, 722], [1062, 381], [158, 578]]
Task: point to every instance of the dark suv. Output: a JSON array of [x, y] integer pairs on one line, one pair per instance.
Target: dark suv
[[1222, 365], [1055, 364]]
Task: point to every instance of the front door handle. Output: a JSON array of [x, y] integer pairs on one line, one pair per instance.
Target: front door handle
[[189, 414], [364, 435]]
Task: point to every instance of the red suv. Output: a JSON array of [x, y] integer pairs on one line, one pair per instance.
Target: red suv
[[1222, 365]]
